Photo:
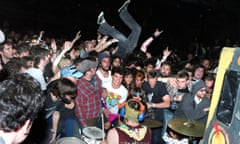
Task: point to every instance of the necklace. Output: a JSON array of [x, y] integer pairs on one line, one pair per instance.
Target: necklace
[[136, 133]]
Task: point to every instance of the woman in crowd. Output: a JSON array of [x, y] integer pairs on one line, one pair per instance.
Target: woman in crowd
[[59, 108]]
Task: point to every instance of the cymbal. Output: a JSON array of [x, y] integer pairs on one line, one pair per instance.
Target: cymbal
[[151, 123], [187, 127]]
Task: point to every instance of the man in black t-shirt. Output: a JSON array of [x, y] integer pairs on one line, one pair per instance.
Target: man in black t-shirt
[[159, 101]]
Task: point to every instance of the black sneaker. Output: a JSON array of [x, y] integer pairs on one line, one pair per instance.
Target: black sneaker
[[124, 6], [101, 18]]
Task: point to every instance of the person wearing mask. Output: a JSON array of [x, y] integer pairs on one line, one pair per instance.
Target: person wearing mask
[[130, 131]]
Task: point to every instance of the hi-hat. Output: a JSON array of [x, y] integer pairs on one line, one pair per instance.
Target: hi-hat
[[191, 128], [151, 123]]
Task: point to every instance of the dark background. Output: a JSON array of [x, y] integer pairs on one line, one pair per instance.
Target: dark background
[[182, 20]]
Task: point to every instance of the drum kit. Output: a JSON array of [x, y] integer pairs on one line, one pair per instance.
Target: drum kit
[[190, 128], [94, 135], [151, 123], [90, 135]]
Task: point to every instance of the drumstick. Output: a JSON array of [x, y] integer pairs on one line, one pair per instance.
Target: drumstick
[[102, 127]]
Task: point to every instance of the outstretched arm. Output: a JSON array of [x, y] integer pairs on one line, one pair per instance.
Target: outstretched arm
[[104, 43], [166, 53], [77, 37], [66, 47], [147, 42]]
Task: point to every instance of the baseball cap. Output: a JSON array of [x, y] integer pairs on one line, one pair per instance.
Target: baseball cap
[[86, 64], [71, 71]]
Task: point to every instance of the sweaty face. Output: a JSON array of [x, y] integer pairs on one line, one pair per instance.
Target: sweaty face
[[89, 46], [209, 83], [138, 81], [201, 93], [74, 54], [116, 62], [206, 64], [165, 70], [7, 51], [152, 82], [198, 74], [149, 68], [128, 79], [117, 80], [93, 71], [182, 83], [105, 64]]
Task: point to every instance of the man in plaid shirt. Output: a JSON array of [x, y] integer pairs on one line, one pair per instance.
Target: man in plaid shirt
[[88, 101]]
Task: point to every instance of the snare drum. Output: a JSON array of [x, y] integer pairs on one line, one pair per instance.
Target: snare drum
[[70, 140], [92, 135]]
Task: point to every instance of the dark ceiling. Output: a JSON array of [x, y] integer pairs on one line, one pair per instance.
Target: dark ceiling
[[182, 20]]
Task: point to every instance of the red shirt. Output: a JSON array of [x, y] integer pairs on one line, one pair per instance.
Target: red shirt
[[88, 101]]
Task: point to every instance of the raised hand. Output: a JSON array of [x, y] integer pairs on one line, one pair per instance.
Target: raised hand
[[77, 37], [157, 32], [67, 46], [40, 36], [166, 52], [53, 45]]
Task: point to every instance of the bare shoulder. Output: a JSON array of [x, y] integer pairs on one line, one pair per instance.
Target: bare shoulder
[[112, 136]]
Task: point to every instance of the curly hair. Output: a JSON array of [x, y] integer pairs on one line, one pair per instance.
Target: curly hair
[[21, 99]]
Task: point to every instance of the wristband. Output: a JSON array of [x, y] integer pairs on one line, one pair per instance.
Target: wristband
[[153, 36], [153, 105], [53, 131]]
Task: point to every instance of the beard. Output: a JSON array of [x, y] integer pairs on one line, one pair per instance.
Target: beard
[[105, 69]]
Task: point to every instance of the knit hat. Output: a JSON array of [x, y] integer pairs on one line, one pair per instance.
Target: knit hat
[[197, 86], [102, 55], [71, 71], [86, 64]]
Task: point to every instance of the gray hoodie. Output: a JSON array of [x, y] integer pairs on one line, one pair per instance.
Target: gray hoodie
[[189, 109]]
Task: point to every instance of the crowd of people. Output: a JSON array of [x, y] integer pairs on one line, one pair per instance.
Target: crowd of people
[[76, 84]]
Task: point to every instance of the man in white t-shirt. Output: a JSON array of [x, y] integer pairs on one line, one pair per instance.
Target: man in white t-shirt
[[41, 59], [116, 94], [103, 71]]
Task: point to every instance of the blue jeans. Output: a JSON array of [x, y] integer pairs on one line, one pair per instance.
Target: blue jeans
[[167, 115], [156, 136], [71, 127], [68, 128], [126, 45]]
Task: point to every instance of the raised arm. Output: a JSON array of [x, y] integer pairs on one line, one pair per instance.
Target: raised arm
[[105, 45], [166, 53], [66, 47], [77, 37], [148, 41]]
